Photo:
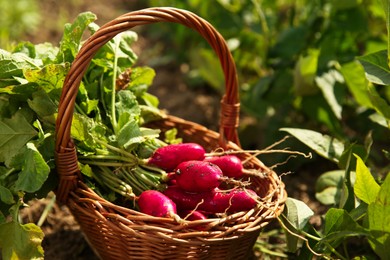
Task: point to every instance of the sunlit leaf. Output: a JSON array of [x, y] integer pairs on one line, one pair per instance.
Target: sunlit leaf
[[21, 241], [326, 146], [376, 67], [357, 83], [365, 187], [327, 83], [378, 220]]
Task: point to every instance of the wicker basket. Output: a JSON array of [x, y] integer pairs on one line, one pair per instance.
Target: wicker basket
[[116, 232]]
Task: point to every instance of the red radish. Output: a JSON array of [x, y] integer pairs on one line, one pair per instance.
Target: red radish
[[230, 165], [156, 204], [198, 176], [192, 215], [170, 156], [215, 201]]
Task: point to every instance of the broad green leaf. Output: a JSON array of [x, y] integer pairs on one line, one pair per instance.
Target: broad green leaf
[[354, 76], [380, 120], [376, 67], [380, 104], [378, 220], [125, 55], [326, 146], [126, 103], [327, 83], [365, 187], [34, 170], [86, 130], [22, 242], [12, 64], [6, 195], [328, 187], [305, 72], [49, 77], [14, 134], [141, 76], [337, 220], [43, 106], [71, 39], [86, 170], [296, 216], [298, 213], [131, 134]]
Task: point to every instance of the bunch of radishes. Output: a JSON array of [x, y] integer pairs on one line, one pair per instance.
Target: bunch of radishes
[[194, 190]]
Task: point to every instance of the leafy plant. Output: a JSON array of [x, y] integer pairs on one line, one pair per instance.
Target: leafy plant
[[110, 108]]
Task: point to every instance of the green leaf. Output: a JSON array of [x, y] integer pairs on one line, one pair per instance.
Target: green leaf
[[376, 67], [305, 72], [380, 104], [71, 39], [337, 220], [378, 220], [365, 187], [326, 146], [6, 195], [327, 83], [14, 134], [296, 216], [141, 76], [328, 187], [131, 134], [21, 241], [43, 106], [298, 213], [34, 170], [125, 54], [12, 64], [380, 120], [354, 76], [50, 77], [126, 102]]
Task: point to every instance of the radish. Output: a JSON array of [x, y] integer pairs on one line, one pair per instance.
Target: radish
[[215, 201], [198, 176], [192, 215], [230, 165], [156, 204], [170, 156]]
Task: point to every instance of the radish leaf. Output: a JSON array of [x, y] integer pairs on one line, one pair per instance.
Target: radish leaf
[[21, 241], [14, 134], [34, 170]]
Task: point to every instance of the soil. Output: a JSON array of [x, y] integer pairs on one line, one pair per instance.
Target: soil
[[63, 238]]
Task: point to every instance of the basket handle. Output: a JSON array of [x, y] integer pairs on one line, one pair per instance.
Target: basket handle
[[66, 158]]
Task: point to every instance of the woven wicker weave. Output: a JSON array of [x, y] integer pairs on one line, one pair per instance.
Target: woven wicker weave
[[116, 232]]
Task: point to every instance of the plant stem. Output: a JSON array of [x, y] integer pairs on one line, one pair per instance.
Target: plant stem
[[118, 150], [46, 211], [113, 89]]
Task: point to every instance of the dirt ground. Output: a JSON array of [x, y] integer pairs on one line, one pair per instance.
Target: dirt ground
[[63, 238]]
